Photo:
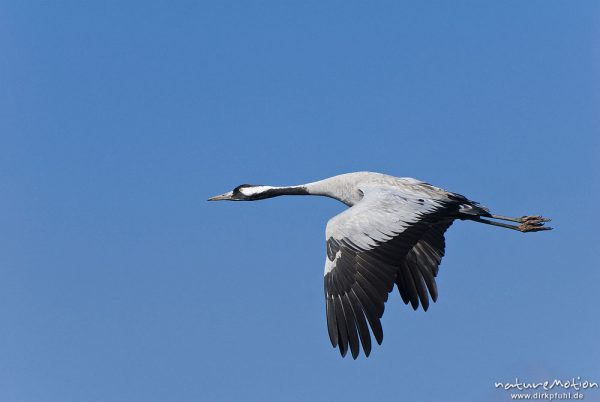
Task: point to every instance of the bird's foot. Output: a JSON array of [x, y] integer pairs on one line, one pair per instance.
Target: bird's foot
[[534, 219], [533, 224]]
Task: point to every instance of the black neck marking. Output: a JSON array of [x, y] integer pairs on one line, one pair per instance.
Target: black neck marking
[[275, 192]]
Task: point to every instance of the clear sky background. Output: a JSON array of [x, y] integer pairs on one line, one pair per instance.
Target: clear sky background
[[119, 282]]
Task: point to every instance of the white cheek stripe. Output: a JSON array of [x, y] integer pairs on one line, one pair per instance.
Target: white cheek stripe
[[254, 190]]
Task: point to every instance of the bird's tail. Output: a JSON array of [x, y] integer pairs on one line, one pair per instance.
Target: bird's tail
[[468, 209], [473, 209]]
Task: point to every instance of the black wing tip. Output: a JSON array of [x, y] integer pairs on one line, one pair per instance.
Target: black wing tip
[[379, 338], [354, 355]]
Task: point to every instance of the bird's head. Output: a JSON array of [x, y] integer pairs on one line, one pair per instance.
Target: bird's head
[[245, 192]]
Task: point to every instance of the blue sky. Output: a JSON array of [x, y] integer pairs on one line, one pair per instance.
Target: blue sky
[[117, 121]]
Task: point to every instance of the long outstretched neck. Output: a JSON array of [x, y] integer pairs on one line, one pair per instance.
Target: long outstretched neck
[[325, 188], [262, 192], [252, 193], [286, 190]]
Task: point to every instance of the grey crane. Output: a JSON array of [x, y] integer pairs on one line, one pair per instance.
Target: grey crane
[[393, 233]]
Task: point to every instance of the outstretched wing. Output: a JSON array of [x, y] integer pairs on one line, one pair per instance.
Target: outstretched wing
[[372, 245]]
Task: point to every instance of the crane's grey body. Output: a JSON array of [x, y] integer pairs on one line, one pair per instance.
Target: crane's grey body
[[392, 234]]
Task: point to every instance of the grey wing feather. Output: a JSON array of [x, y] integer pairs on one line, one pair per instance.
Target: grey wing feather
[[379, 216], [378, 242]]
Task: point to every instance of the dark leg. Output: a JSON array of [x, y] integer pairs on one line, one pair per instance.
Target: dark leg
[[523, 219], [530, 225]]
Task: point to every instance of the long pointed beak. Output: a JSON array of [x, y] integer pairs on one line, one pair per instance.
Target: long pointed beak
[[226, 196]]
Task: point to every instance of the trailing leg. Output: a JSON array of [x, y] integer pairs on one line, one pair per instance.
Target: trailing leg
[[528, 223], [523, 219]]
